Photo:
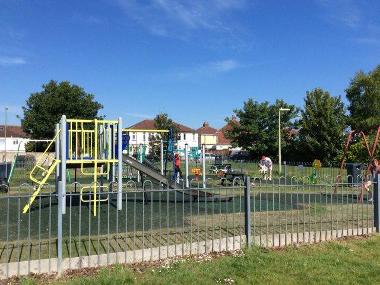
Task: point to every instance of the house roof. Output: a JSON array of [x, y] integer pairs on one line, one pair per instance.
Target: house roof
[[13, 131], [149, 125], [222, 140], [184, 129], [206, 129]]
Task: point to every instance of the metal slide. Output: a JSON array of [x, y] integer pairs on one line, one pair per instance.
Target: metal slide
[[195, 193]]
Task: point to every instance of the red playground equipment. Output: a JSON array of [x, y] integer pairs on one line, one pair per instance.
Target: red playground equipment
[[371, 149]]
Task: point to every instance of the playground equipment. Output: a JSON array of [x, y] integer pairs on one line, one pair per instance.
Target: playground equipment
[[314, 175], [94, 146], [196, 171], [371, 150], [140, 150]]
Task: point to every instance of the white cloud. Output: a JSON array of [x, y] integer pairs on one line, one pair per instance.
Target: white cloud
[[11, 60], [172, 18], [224, 65], [361, 19], [207, 69], [344, 12]]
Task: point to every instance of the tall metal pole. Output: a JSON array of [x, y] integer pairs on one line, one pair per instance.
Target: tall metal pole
[[57, 156], [61, 191], [186, 166], [5, 144], [203, 166], [140, 160], [120, 163], [376, 203], [162, 156], [63, 162], [279, 141], [247, 212]]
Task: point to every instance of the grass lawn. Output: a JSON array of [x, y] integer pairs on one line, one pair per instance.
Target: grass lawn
[[352, 261]]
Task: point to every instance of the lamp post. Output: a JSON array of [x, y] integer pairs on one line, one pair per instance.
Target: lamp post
[[279, 137]]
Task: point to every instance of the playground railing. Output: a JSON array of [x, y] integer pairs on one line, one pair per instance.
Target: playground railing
[[156, 223]]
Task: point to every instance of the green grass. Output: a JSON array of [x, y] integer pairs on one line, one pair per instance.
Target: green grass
[[339, 262]]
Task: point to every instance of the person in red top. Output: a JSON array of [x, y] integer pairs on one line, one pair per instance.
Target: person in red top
[[177, 167]]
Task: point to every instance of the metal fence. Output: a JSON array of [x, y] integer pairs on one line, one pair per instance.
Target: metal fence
[[157, 223]]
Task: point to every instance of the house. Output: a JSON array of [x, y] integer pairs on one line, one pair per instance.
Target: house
[[224, 145], [14, 141], [145, 130], [207, 136]]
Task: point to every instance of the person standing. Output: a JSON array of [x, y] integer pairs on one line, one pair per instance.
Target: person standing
[[177, 168]]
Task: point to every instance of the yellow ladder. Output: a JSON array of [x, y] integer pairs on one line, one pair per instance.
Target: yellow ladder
[[40, 183], [40, 173]]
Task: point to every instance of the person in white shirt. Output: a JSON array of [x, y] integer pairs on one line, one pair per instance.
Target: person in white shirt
[[266, 166]]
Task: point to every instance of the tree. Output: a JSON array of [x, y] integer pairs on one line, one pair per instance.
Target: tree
[[162, 122], [44, 109], [257, 130], [323, 122], [363, 95]]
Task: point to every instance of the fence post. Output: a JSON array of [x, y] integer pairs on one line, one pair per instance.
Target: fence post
[[285, 171], [162, 156], [376, 203], [61, 191], [186, 166], [59, 228], [247, 214], [120, 164], [63, 152], [203, 166]]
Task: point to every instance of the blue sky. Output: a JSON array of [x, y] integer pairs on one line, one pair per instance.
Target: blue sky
[[196, 60]]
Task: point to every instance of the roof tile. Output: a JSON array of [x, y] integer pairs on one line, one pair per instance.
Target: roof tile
[[13, 131], [149, 125]]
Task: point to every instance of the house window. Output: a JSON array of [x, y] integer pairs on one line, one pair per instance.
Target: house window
[[144, 136], [184, 136], [15, 142], [134, 136]]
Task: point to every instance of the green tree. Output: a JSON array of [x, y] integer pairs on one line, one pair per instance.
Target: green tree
[[323, 122], [162, 122], [257, 128], [43, 109], [363, 95]]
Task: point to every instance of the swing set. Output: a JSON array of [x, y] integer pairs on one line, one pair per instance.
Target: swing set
[[371, 151]]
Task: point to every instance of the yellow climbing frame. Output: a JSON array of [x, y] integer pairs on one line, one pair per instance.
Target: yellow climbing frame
[[90, 145]]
